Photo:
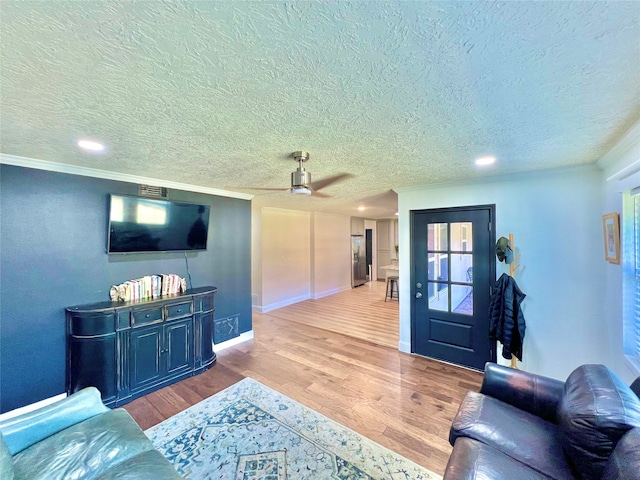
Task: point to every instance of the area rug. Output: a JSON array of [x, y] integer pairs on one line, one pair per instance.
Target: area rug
[[251, 432]]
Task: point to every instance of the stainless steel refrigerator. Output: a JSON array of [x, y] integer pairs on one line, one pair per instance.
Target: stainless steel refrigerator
[[358, 261]]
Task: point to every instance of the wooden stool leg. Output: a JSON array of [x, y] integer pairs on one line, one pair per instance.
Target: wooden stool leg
[[386, 290]]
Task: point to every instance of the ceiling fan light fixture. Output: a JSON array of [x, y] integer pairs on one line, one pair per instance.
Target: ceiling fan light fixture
[[300, 190]]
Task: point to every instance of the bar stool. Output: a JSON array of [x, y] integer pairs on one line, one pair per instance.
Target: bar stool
[[392, 285]]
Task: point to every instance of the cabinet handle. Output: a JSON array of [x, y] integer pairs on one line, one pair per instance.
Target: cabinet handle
[[179, 310], [147, 315]]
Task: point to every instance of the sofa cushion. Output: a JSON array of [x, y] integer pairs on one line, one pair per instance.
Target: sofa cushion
[[84, 450], [473, 460], [624, 462], [521, 435], [150, 464], [6, 461], [595, 411]]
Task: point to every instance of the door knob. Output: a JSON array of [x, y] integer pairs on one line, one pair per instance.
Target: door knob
[[418, 285], [418, 295]]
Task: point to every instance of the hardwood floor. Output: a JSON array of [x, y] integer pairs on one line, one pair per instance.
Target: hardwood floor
[[359, 312], [401, 401]]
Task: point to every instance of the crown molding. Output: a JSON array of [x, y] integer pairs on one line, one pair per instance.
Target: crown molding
[[502, 177], [121, 177], [623, 159]]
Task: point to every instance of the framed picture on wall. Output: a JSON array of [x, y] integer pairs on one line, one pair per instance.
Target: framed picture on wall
[[611, 231]]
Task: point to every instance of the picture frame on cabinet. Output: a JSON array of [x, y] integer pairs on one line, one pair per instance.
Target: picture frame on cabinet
[[611, 233]]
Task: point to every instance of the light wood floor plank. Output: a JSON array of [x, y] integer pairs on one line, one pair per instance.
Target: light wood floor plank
[[360, 312], [338, 355]]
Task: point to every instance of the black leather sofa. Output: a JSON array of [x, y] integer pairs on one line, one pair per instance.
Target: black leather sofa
[[529, 427]]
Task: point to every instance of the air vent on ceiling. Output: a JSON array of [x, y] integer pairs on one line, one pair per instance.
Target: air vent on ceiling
[[152, 191]]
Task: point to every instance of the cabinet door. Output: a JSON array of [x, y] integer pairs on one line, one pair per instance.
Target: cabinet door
[[208, 355], [92, 363], [179, 346], [145, 349], [357, 226]]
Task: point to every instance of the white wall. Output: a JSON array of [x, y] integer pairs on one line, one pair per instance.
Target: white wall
[[298, 255], [621, 172], [256, 257], [285, 257], [556, 219], [331, 254]]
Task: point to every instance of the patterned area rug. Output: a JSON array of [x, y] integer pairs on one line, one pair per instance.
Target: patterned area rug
[[250, 432]]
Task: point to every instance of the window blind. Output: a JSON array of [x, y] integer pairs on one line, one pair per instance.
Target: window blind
[[636, 254]]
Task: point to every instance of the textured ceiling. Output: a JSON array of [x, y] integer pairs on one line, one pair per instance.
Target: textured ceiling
[[399, 93]]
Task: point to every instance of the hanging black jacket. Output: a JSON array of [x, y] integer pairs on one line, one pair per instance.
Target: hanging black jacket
[[505, 313]]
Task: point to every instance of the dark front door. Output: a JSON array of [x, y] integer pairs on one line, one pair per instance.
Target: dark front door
[[453, 270]]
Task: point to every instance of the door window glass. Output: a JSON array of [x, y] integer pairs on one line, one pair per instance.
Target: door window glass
[[438, 266], [462, 299], [461, 267], [461, 237], [440, 301], [450, 267], [437, 238]]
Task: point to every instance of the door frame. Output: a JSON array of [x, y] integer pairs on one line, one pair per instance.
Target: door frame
[[412, 271]]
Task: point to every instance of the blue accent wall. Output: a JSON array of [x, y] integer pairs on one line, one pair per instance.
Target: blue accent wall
[[53, 234]]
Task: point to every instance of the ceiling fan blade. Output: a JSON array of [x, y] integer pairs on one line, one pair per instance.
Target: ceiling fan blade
[[325, 182], [388, 199], [258, 188], [315, 193]]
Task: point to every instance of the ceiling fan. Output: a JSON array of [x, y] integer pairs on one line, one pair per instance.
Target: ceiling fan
[[301, 183]]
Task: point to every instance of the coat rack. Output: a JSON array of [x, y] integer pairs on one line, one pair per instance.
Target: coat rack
[[513, 266]]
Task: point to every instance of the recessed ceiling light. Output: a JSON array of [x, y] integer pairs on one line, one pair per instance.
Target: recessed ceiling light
[[485, 160], [361, 209], [91, 145]]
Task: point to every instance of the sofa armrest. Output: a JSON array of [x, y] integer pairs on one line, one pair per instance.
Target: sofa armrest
[[24, 430], [635, 386], [527, 391]]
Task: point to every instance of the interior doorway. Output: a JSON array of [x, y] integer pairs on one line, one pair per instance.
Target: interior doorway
[[368, 240]]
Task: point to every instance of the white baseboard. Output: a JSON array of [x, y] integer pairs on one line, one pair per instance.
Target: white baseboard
[[32, 407], [243, 337], [255, 302], [404, 347], [331, 292], [284, 303]]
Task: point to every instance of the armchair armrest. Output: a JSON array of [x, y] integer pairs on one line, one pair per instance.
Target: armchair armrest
[[527, 391], [24, 430]]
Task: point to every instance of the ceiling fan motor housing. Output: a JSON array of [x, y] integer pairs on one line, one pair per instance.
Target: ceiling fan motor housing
[[300, 178]]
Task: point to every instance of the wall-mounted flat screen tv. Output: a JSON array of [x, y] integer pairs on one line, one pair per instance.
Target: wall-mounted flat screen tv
[[138, 224]]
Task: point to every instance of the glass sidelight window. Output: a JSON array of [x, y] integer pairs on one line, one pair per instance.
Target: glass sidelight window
[[450, 267]]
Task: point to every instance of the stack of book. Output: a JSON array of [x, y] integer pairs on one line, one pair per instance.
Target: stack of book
[[149, 286]]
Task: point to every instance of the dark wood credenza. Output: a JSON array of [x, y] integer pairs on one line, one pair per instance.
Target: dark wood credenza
[[128, 349]]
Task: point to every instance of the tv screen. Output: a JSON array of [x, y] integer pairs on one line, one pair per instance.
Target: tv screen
[[138, 224]]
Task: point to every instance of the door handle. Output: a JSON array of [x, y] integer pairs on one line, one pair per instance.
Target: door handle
[[418, 295]]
